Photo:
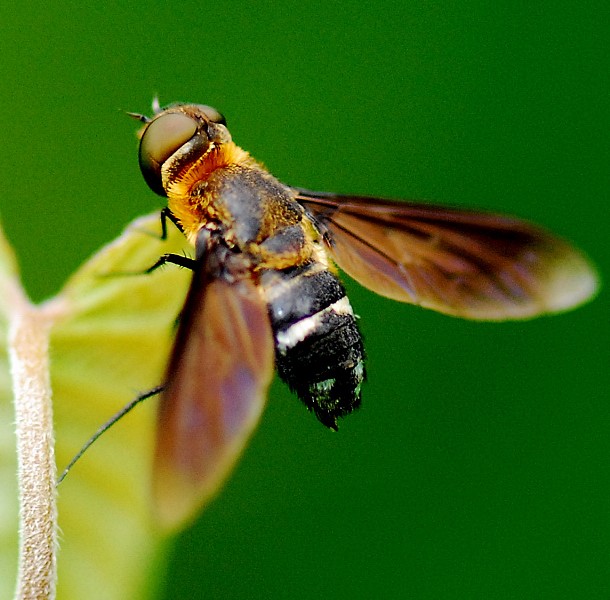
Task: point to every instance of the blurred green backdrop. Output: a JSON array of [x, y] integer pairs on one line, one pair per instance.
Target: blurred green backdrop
[[478, 466]]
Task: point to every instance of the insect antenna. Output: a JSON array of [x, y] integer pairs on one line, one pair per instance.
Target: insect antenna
[[137, 116], [107, 425]]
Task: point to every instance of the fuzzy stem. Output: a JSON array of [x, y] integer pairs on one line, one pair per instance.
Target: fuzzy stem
[[29, 356]]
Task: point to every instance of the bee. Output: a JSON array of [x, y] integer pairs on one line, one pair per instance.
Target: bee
[[266, 295]]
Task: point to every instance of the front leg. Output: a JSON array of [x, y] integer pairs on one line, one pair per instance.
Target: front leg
[[174, 259], [168, 215]]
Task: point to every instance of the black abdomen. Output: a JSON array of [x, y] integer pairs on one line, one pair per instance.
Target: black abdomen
[[318, 347]]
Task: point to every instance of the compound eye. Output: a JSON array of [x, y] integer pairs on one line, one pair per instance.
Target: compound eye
[[212, 114], [163, 136]]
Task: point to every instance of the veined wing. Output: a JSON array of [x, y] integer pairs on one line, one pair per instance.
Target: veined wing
[[217, 381], [463, 263]]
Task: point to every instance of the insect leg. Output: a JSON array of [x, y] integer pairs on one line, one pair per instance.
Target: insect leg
[[164, 216], [167, 214], [107, 425], [174, 259]]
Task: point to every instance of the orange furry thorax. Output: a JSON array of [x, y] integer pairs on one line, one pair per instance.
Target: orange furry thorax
[[193, 209]]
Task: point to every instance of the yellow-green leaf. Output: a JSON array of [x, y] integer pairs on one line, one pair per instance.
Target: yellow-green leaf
[[8, 460], [113, 344], [110, 338]]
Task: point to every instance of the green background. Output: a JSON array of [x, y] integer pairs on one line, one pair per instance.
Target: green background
[[478, 466]]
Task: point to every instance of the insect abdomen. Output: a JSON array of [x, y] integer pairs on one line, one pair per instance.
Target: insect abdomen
[[318, 346]]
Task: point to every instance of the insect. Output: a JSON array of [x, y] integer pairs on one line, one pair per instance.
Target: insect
[[265, 291]]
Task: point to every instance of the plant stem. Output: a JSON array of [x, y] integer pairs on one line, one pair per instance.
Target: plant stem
[[29, 356]]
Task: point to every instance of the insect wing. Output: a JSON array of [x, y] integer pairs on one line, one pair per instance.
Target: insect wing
[[217, 382], [467, 264]]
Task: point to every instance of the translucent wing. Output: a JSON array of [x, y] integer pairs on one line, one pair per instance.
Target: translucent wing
[[217, 383], [462, 263]]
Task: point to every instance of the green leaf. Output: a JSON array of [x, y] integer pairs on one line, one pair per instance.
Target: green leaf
[[8, 460], [113, 345], [110, 339]]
